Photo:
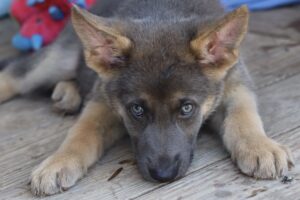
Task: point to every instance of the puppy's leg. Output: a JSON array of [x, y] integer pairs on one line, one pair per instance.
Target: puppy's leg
[[244, 137], [97, 129], [66, 97]]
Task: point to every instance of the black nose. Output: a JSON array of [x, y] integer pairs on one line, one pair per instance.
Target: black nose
[[165, 170]]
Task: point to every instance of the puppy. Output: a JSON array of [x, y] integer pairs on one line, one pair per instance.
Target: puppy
[[162, 67]]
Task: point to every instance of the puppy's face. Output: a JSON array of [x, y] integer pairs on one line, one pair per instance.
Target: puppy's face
[[163, 106], [163, 81]]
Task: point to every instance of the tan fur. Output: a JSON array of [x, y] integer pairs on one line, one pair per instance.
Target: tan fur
[[244, 137], [66, 97], [207, 106], [97, 129], [8, 87]]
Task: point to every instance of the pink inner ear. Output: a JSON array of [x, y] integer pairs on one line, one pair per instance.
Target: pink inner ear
[[95, 39], [106, 54], [223, 41], [215, 50], [103, 54], [103, 48]]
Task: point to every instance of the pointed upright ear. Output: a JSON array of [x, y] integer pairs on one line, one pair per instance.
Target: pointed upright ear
[[105, 48], [216, 48]]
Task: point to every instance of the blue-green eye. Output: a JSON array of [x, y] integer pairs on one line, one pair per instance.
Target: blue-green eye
[[137, 110], [186, 109]]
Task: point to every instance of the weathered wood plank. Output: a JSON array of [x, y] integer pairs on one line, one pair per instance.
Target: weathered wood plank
[[283, 22], [272, 45], [26, 121], [279, 105], [269, 68]]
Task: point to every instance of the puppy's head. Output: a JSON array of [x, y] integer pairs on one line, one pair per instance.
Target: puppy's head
[[163, 80]]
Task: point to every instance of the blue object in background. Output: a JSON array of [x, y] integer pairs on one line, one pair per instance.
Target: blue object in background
[[81, 3], [56, 13], [21, 43], [257, 4], [36, 41], [33, 2], [4, 7], [26, 44]]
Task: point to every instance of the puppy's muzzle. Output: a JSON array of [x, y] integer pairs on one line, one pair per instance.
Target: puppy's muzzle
[[165, 168]]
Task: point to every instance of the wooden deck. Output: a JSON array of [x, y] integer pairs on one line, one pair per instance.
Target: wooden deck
[[29, 131]]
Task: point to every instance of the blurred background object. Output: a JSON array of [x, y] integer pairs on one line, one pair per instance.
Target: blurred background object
[[257, 4], [40, 21]]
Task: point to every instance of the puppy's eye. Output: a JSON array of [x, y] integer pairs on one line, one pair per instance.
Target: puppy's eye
[[187, 109], [137, 110]]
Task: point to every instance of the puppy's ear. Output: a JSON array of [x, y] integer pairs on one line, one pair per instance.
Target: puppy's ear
[[216, 48], [105, 48]]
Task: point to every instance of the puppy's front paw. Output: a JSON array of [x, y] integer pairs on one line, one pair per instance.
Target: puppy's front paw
[[262, 158], [56, 174]]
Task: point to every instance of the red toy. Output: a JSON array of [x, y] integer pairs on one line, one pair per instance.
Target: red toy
[[41, 20]]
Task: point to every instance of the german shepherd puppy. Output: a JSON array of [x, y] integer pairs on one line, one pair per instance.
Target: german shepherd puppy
[[163, 68]]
